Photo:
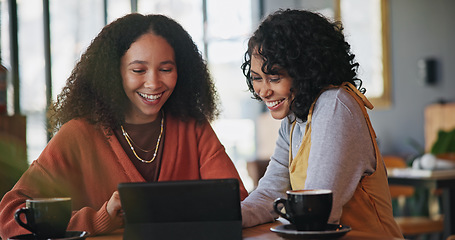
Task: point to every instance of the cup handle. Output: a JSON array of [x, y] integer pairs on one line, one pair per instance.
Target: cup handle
[[17, 217], [277, 202]]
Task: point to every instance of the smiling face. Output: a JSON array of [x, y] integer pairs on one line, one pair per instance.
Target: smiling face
[[149, 74], [274, 90]]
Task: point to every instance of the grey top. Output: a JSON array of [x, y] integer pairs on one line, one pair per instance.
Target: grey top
[[341, 154]]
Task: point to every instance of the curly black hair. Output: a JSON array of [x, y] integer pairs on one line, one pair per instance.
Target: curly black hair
[[94, 90], [309, 47]]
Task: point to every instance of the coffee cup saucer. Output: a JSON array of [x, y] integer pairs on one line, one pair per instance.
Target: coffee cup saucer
[[288, 231], [69, 235]]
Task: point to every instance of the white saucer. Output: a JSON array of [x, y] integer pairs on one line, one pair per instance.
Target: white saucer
[[70, 235], [332, 231]]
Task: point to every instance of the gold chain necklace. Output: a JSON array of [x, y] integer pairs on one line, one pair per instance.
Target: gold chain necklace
[[133, 143], [128, 138]]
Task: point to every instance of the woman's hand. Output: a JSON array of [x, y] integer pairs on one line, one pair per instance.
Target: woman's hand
[[114, 209]]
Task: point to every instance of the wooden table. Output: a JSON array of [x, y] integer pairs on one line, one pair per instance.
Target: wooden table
[[446, 183], [262, 232]]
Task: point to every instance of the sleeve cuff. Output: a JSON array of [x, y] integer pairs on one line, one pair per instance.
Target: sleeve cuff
[[102, 221]]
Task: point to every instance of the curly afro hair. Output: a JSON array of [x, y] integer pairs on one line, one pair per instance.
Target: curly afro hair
[[309, 47], [94, 90]]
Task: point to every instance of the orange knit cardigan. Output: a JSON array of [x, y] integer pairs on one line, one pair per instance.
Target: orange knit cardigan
[[81, 163]]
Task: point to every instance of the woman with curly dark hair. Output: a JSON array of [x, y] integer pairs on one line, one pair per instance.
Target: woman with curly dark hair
[[299, 64], [136, 108]]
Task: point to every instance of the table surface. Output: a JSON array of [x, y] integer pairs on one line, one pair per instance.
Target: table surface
[[447, 181], [263, 232]]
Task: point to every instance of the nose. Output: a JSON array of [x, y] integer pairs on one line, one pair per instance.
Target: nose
[[264, 91], [152, 80]]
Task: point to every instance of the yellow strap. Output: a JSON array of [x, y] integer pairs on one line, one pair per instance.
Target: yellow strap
[[362, 101], [298, 166], [365, 100]]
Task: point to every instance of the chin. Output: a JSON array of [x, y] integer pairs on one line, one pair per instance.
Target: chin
[[278, 116]]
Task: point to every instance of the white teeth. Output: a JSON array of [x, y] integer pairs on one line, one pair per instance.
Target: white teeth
[[150, 96], [273, 104]]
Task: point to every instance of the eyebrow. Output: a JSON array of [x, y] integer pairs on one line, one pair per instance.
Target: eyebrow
[[251, 71], [275, 72], [144, 62]]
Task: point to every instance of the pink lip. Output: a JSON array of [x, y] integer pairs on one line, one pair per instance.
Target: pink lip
[[148, 102], [276, 106], [154, 102]]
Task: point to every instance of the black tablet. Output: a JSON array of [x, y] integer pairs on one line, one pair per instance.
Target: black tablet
[[192, 209]]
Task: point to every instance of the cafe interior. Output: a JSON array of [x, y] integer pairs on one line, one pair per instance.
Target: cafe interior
[[407, 64]]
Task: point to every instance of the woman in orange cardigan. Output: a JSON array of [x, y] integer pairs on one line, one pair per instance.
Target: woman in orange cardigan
[[136, 108]]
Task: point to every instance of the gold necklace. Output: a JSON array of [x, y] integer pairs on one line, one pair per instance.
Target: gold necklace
[[133, 143], [128, 138]]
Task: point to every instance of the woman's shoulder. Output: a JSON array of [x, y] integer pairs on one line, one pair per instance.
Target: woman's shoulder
[[335, 98], [337, 105], [72, 135], [337, 94], [77, 127], [76, 124]]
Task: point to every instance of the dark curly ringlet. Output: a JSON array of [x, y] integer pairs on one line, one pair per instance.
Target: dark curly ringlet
[[309, 47], [94, 90]]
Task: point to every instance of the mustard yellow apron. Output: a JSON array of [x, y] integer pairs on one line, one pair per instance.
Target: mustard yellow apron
[[370, 208]]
